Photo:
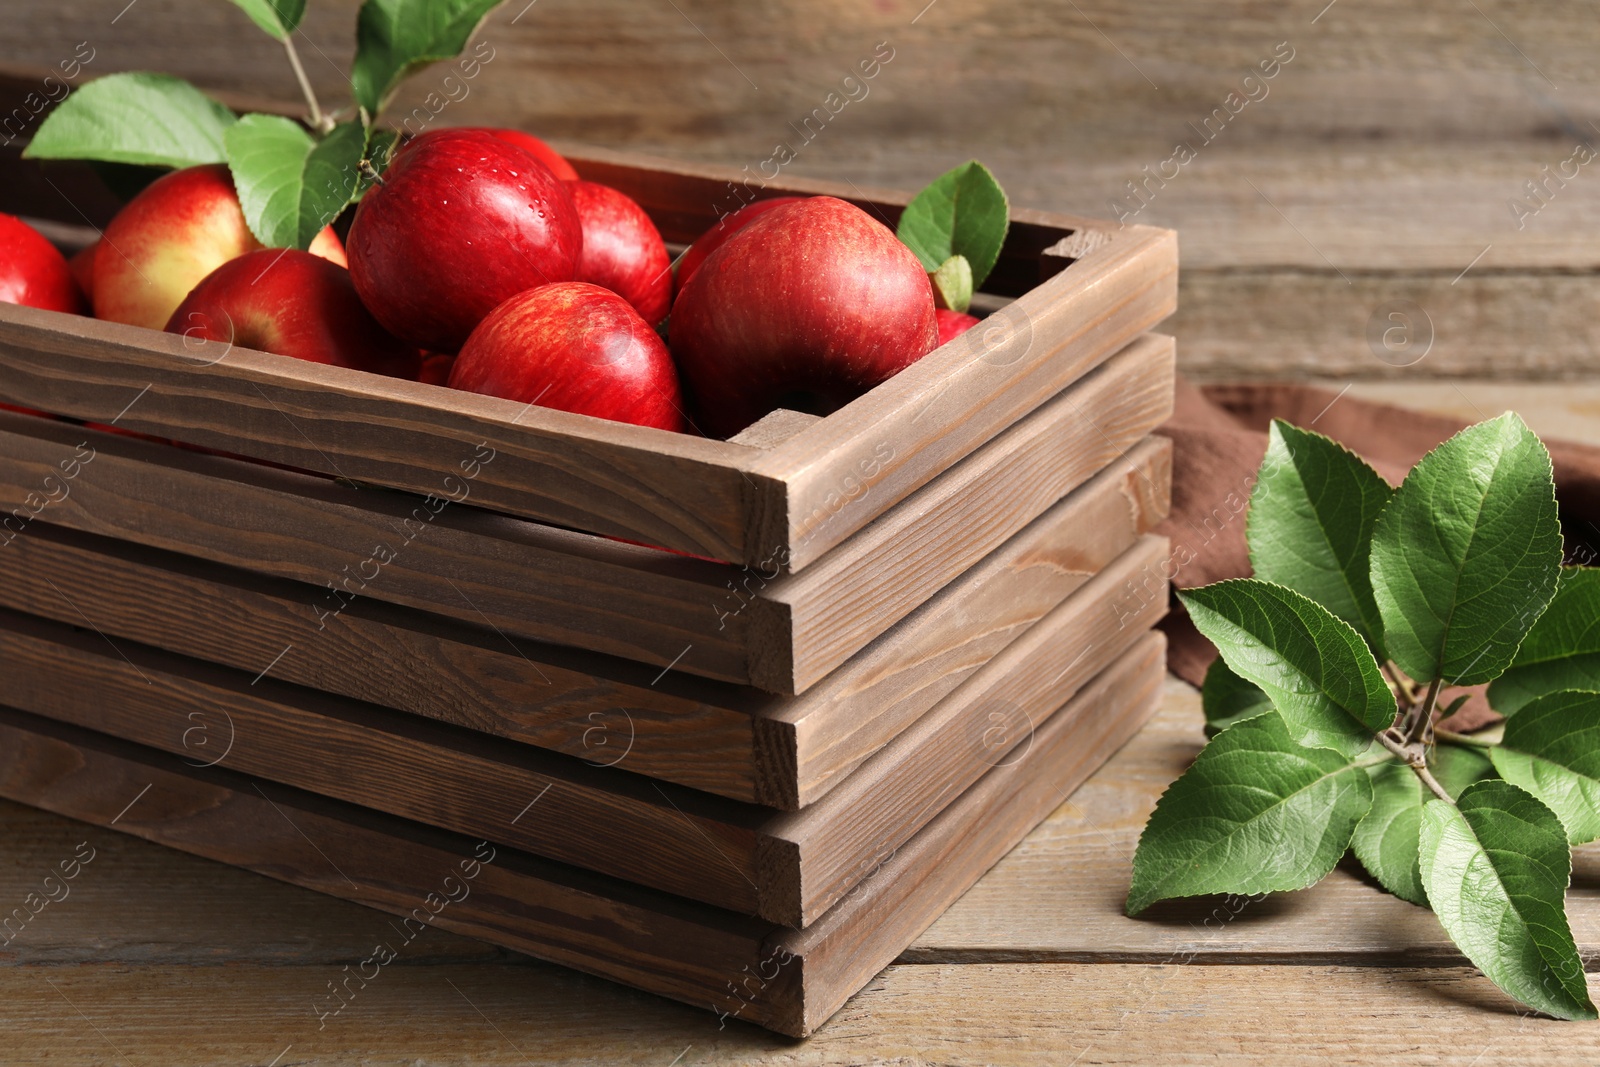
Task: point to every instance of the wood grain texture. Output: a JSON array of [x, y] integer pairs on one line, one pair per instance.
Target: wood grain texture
[[1018, 1015], [732, 855], [524, 578], [647, 485], [834, 606], [680, 950], [840, 721], [732, 741], [558, 586], [991, 721]]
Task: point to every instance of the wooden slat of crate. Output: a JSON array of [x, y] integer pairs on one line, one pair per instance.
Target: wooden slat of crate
[[735, 742], [733, 855], [565, 587], [786, 980], [710, 498], [897, 562]]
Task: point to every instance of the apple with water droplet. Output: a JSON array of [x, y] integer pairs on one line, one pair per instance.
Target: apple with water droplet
[[461, 222], [575, 347]]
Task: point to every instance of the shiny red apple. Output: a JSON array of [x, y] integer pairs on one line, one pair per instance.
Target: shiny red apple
[[575, 347], [725, 228], [807, 307], [179, 229], [293, 304], [953, 324], [460, 223], [538, 150], [33, 271], [623, 250]]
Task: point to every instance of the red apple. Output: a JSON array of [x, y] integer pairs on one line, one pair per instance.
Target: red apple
[[623, 250], [460, 224], [293, 304], [953, 324], [33, 272], [725, 228], [806, 308], [538, 150], [179, 229], [575, 347]]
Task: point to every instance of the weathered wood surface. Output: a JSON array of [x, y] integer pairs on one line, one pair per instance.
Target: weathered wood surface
[[148, 932], [691, 953], [787, 868], [732, 741], [443, 555], [1390, 148], [975, 1015]]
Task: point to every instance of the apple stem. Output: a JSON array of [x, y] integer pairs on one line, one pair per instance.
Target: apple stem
[[319, 122]]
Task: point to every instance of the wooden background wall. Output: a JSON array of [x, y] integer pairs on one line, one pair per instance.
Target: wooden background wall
[[1381, 163]]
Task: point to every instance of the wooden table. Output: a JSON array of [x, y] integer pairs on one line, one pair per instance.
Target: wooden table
[[159, 958]]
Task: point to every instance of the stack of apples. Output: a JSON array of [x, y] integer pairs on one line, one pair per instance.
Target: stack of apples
[[481, 261]]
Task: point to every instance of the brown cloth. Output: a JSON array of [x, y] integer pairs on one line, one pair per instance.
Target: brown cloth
[[1219, 435]]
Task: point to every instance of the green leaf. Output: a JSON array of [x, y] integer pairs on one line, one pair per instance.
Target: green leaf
[[153, 119], [1316, 669], [1496, 867], [291, 185], [1562, 651], [1228, 698], [1386, 840], [1465, 557], [1255, 813], [1310, 524], [1551, 748], [396, 37], [277, 17], [963, 212], [952, 283]]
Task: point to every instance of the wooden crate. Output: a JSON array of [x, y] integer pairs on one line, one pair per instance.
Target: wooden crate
[[741, 969], [736, 676]]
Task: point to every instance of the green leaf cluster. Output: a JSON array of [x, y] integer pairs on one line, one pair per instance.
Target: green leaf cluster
[[1368, 604], [956, 227], [293, 178]]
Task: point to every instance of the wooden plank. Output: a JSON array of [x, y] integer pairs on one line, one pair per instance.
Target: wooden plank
[[680, 950], [833, 607], [992, 723], [735, 742], [634, 482], [526, 579], [703, 497], [564, 587], [923, 418], [732, 855], [840, 721], [1285, 325], [1021, 1015]]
